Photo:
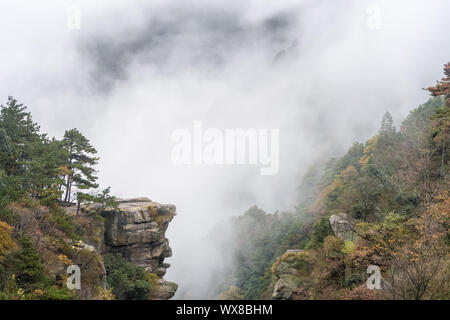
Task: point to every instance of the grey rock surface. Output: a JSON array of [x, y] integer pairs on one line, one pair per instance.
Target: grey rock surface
[[343, 226], [136, 229], [292, 273]]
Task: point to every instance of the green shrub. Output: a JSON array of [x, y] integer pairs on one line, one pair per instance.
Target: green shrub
[[63, 223], [56, 293], [25, 263], [127, 281], [320, 231], [333, 247], [349, 247]]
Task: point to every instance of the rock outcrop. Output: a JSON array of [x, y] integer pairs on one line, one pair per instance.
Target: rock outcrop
[[343, 227], [164, 290], [136, 229], [292, 270]]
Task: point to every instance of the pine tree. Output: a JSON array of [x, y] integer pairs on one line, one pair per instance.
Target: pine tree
[[81, 172], [441, 133], [17, 133], [442, 88], [46, 171], [104, 198], [25, 263], [387, 124]]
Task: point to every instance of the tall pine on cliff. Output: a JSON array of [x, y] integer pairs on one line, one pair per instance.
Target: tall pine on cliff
[[80, 165]]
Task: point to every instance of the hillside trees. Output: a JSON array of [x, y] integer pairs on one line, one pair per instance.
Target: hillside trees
[[395, 186], [420, 269], [34, 229], [18, 133], [34, 165]]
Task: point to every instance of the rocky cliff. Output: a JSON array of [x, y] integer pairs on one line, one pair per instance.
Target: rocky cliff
[[136, 229], [292, 272], [343, 226]]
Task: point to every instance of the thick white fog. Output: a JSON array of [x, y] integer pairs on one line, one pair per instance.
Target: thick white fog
[[322, 72]]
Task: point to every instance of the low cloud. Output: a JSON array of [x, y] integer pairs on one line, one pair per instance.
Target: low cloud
[[135, 72]]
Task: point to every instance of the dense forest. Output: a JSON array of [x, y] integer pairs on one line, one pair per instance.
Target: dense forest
[[395, 188]]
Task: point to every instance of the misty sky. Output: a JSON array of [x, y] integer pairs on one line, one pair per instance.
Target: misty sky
[[323, 72]]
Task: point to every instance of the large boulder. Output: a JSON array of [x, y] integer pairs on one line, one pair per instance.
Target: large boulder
[[136, 229], [343, 226], [164, 290]]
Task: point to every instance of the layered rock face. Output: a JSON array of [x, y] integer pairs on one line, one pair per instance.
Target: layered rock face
[[136, 229], [343, 226]]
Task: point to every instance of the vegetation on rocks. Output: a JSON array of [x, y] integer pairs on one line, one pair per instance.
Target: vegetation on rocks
[[394, 192], [126, 280]]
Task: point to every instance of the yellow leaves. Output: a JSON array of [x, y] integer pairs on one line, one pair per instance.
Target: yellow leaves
[[364, 160], [368, 150], [64, 259], [333, 246], [349, 247], [440, 211], [20, 294], [350, 173], [64, 170], [291, 255], [38, 292], [371, 144], [6, 242], [153, 279], [105, 294]]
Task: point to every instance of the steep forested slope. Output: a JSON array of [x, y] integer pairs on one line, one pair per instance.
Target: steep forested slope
[[395, 190]]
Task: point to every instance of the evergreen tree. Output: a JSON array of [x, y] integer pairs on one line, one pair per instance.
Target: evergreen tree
[[387, 124], [25, 264], [17, 133], [442, 88], [441, 133], [80, 173], [104, 198], [46, 170], [127, 280]]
